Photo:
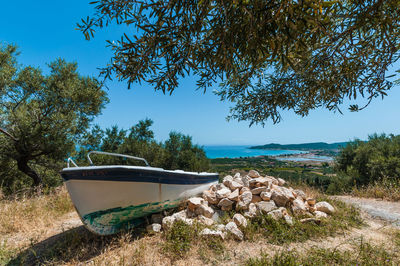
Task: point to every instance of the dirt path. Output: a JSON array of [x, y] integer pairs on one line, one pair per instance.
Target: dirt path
[[380, 209]]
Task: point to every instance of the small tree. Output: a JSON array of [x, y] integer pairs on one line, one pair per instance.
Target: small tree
[[42, 116]]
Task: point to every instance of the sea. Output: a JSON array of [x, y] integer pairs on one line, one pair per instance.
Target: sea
[[217, 151]]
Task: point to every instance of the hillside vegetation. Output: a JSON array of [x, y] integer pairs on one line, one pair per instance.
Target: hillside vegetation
[[302, 146]]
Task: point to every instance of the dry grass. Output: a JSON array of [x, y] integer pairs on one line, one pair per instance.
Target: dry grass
[[28, 212], [385, 189], [352, 252], [18, 218]]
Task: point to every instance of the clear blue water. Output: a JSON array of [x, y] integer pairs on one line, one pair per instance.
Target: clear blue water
[[241, 151]]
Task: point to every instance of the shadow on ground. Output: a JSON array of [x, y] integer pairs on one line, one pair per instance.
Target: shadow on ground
[[74, 245]]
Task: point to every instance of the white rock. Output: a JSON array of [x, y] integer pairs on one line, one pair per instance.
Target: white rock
[[213, 188], [252, 211], [265, 195], [241, 206], [234, 230], [298, 207], [244, 201], [167, 222], [256, 199], [156, 218], [325, 207], [262, 181], [238, 180], [279, 198], [258, 190], [181, 215], [210, 196], [246, 197], [223, 193], [288, 193], [153, 228], [253, 174], [206, 232], [281, 182], [237, 175], [265, 207], [246, 181], [300, 193], [234, 196], [274, 180], [205, 210], [244, 189], [195, 202], [217, 215], [319, 214], [235, 185], [204, 220], [288, 219], [225, 204], [276, 214], [220, 227], [240, 220], [227, 180]]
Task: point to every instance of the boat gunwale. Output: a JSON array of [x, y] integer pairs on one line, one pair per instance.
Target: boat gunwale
[[148, 168]]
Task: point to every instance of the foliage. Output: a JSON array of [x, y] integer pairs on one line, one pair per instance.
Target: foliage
[[42, 116], [270, 55], [177, 152], [374, 160], [179, 239]]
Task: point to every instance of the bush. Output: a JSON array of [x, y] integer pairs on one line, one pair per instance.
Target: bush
[[371, 161], [179, 239]]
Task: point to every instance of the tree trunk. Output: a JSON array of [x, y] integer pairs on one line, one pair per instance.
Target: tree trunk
[[24, 167]]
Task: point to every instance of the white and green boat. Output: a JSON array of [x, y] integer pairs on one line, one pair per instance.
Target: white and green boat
[[113, 197]]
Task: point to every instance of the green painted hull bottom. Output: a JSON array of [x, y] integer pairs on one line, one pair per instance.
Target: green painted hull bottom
[[111, 221]]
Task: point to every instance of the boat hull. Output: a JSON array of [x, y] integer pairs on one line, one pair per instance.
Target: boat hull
[[113, 198]]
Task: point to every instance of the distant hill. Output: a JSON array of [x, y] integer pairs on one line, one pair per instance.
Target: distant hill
[[302, 146]]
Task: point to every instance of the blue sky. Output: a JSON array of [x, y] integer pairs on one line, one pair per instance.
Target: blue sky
[[45, 30]]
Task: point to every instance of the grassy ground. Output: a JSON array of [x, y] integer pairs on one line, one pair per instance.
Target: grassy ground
[[27, 212], [29, 237], [361, 252], [46, 230]]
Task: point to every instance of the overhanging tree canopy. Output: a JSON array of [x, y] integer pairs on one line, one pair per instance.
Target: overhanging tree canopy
[[270, 55]]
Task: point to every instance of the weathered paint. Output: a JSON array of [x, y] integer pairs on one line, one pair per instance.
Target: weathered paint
[[111, 221]]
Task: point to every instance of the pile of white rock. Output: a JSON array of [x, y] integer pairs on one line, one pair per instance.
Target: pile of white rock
[[248, 195]]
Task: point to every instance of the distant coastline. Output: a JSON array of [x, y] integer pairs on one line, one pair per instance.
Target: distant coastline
[[310, 152], [237, 151], [301, 146]]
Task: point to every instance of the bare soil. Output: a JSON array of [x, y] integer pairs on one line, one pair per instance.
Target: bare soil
[[386, 211]]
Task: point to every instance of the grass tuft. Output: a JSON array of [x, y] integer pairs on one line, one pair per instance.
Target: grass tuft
[[363, 254], [179, 239], [26, 212], [387, 189]]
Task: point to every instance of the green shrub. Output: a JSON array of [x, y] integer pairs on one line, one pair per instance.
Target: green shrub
[[179, 239]]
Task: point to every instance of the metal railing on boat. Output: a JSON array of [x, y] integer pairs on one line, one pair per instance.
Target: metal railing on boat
[[69, 160]]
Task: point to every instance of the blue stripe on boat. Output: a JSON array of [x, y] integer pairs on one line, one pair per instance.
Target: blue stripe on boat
[[138, 175]]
